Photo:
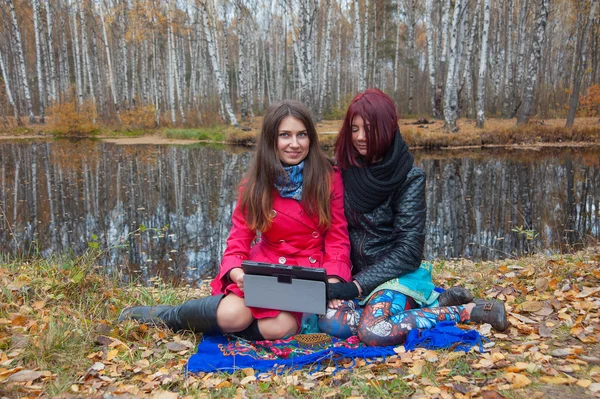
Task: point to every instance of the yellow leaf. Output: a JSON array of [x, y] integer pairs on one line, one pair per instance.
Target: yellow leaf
[[433, 390], [417, 368], [248, 371], [576, 330], [112, 354], [555, 380], [224, 384], [584, 383], [518, 380]]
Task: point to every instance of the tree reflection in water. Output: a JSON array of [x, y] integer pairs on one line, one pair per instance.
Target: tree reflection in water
[[56, 197]]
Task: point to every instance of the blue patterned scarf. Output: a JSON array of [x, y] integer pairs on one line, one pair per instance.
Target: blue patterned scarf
[[290, 184]]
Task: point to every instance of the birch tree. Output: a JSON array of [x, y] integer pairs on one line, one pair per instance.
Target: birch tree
[[38, 45], [211, 38], [9, 91], [516, 102], [483, 55], [532, 71], [21, 59], [581, 64], [430, 58], [451, 94], [53, 80]]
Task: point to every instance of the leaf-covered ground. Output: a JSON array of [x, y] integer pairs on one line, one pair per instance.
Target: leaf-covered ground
[[59, 338]]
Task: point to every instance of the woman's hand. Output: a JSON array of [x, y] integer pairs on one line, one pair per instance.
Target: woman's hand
[[335, 303], [237, 276]]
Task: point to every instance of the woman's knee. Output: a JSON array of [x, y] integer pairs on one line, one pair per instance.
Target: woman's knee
[[281, 326], [233, 315], [342, 322]]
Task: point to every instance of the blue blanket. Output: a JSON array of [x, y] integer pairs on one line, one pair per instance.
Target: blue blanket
[[228, 353]]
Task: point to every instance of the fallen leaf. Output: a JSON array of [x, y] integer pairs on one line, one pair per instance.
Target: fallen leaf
[[247, 379], [491, 395], [584, 383], [19, 321], [517, 380], [561, 352], [112, 354], [165, 395], [25, 376], [587, 291], [531, 306], [176, 347], [556, 380], [541, 284], [595, 387]]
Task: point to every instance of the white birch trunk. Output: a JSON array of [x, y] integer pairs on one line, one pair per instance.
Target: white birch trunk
[[496, 73], [451, 94], [396, 71], [241, 33], [109, 67], [38, 53], [9, 95], [325, 62], [365, 45], [467, 79], [411, 53], [299, 64], [532, 70], [581, 65], [508, 74], [481, 81], [171, 73], [520, 58], [86, 56], [63, 57], [53, 82], [75, 46], [445, 33], [430, 57], [358, 52], [21, 60], [211, 39]]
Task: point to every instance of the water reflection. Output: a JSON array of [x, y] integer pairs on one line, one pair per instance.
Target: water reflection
[[165, 210]]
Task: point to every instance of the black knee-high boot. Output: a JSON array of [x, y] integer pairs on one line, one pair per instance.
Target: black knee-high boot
[[197, 315]]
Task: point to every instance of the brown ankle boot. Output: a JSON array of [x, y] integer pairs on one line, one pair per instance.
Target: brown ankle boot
[[455, 296], [491, 312]]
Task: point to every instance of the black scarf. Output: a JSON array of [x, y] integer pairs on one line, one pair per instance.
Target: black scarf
[[367, 186]]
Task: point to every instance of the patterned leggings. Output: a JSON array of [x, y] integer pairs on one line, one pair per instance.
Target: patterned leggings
[[386, 319]]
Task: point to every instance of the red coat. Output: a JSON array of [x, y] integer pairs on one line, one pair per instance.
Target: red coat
[[294, 238]]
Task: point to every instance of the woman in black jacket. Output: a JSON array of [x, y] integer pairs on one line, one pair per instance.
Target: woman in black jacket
[[386, 213]]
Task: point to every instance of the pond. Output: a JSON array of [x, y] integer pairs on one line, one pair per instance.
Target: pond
[[165, 210]]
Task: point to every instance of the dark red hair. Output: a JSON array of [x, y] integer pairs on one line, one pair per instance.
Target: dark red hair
[[378, 112]]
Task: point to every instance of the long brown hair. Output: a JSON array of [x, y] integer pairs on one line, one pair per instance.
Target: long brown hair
[[266, 167]]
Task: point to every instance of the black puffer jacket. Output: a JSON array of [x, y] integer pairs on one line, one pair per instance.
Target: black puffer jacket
[[388, 241]]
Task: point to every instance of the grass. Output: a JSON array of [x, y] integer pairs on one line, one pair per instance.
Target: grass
[[58, 318]]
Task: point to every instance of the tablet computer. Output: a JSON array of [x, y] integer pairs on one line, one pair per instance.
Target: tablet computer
[[282, 287]]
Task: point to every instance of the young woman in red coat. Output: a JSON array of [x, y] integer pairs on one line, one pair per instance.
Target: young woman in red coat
[[292, 202]]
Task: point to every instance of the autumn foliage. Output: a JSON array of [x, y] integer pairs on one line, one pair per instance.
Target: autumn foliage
[[589, 105], [72, 119], [141, 117]]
